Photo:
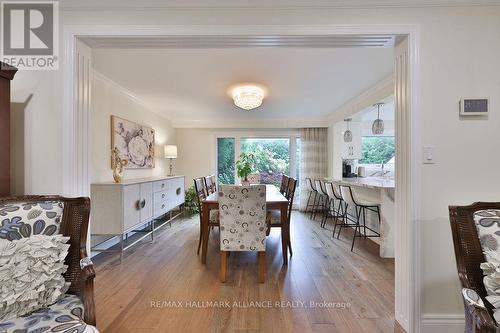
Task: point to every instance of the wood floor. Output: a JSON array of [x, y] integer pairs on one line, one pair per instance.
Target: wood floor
[[163, 287]]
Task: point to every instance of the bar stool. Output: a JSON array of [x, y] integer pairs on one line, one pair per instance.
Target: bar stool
[[322, 199], [313, 193], [334, 212], [360, 205]]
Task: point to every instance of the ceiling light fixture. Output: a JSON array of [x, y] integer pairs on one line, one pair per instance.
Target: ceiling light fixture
[[378, 124], [248, 97], [348, 132]]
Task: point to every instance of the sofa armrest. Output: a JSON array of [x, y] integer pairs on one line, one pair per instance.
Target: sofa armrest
[[481, 319], [87, 294]]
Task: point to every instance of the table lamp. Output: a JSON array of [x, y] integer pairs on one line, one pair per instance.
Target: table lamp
[[171, 153]]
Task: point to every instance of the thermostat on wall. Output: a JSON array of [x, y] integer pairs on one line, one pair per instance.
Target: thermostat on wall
[[474, 106]]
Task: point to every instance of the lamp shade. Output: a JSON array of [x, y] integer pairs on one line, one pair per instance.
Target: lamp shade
[[170, 151]]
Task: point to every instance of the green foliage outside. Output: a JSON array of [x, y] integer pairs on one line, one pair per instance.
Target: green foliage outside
[[272, 157], [225, 160], [377, 149]]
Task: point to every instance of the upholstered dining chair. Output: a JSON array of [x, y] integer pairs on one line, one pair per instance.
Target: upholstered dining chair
[[254, 178], [242, 223], [274, 216], [201, 194]]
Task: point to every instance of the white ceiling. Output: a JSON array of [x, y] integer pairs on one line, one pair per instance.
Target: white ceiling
[[370, 114], [191, 85]]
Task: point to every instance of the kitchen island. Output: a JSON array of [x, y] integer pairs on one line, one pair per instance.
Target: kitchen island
[[380, 189]]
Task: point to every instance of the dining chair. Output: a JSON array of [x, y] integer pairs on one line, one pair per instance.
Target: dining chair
[[243, 223], [284, 184], [254, 178], [201, 194], [210, 186], [214, 182], [360, 205], [274, 216]]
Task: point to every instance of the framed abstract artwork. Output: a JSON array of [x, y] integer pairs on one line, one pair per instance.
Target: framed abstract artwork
[[135, 143]]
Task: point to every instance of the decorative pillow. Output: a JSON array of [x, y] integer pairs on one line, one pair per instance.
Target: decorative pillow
[[31, 273], [23, 219], [488, 229]]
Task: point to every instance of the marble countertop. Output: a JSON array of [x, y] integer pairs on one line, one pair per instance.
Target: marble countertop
[[368, 182]]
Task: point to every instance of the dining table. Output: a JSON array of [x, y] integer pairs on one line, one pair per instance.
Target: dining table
[[274, 201]]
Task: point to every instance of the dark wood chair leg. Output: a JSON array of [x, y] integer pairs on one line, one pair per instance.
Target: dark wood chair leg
[[199, 240], [262, 266], [223, 266]]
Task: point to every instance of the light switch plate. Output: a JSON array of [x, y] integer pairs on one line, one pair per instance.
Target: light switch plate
[[429, 155]]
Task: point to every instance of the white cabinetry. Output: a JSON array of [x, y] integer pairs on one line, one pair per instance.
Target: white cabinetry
[[352, 150], [117, 209]]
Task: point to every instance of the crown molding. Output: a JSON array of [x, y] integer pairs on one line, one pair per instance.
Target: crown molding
[[70, 5], [128, 93], [277, 123]]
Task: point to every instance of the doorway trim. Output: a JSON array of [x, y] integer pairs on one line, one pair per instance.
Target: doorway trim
[[76, 157]]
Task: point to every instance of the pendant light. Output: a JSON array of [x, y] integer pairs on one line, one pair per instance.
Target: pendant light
[[348, 133], [378, 124]]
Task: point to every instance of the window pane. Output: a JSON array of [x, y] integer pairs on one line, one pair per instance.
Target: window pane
[[272, 157], [377, 149], [225, 160]]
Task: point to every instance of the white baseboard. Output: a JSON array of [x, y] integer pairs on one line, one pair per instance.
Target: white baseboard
[[442, 323]]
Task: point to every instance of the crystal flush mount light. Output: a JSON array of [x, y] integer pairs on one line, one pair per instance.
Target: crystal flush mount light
[[248, 97], [378, 124], [348, 132]]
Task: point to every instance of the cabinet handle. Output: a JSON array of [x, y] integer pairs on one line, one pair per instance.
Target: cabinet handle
[[163, 195], [178, 191], [162, 184], [141, 204]]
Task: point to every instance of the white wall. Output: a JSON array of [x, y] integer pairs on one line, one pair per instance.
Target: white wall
[[459, 52], [108, 99], [195, 153]]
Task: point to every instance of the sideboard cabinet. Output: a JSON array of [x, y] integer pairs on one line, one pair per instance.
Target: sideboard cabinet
[[118, 209]]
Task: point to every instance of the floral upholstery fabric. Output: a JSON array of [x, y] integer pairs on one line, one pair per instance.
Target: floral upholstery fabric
[[242, 218], [488, 229], [254, 178], [214, 216], [65, 316], [21, 220], [31, 273]]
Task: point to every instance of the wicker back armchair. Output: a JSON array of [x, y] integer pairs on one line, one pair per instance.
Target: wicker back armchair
[[74, 224], [469, 256]]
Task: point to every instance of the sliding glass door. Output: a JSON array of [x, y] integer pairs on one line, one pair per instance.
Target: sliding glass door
[[275, 156], [272, 157]]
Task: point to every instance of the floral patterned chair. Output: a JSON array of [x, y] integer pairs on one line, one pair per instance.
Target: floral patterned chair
[[21, 217], [476, 238], [254, 178], [243, 223]]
